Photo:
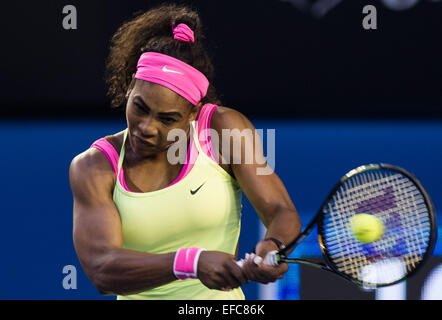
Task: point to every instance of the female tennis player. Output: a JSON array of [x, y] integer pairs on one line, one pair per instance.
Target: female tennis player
[[147, 228]]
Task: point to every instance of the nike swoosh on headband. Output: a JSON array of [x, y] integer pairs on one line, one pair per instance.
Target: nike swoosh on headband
[[168, 70]]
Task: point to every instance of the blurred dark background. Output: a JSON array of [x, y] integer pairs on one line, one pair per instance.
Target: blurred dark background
[[337, 95], [271, 59]]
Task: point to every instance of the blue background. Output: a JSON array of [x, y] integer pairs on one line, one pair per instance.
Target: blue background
[[311, 156]]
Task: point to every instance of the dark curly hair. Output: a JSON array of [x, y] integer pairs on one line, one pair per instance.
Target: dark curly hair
[[152, 31]]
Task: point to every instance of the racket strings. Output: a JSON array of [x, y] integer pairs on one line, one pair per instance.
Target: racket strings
[[398, 203], [417, 210]]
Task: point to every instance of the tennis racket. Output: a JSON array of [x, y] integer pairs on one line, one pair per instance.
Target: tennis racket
[[393, 195]]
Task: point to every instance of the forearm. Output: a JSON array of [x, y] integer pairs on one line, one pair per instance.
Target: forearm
[[122, 271], [284, 226]]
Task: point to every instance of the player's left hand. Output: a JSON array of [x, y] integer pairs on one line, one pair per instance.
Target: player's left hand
[[255, 269]]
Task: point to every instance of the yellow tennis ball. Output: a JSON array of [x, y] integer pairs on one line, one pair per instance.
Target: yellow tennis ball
[[367, 227]]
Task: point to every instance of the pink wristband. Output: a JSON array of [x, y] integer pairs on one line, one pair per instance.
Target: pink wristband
[[186, 262]]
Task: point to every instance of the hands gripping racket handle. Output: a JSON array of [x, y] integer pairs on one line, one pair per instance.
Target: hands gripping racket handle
[[271, 259]]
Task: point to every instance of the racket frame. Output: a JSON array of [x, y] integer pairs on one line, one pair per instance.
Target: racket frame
[[319, 222]]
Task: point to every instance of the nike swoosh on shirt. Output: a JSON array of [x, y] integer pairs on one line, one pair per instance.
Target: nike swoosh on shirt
[[173, 71], [192, 192]]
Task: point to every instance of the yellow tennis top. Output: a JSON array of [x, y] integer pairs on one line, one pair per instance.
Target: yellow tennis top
[[165, 220]]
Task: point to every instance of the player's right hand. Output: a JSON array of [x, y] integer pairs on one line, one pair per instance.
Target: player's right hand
[[218, 270]]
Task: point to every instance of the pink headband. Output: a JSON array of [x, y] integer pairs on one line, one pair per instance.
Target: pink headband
[[174, 74]]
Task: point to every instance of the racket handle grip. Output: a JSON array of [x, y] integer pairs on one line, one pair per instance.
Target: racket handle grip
[[271, 259]]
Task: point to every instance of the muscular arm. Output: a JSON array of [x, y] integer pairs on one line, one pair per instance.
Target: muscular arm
[[98, 237], [265, 192]]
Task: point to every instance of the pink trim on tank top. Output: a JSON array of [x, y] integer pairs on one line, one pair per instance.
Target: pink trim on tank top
[[109, 151], [203, 133]]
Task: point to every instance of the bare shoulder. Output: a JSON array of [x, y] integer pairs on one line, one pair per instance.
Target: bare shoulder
[[88, 162], [228, 118], [93, 162], [89, 165], [90, 172]]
